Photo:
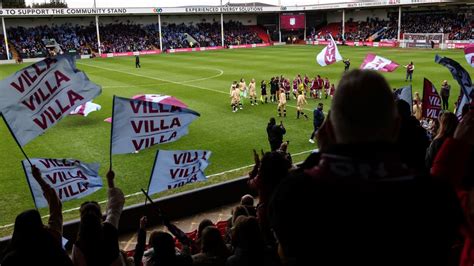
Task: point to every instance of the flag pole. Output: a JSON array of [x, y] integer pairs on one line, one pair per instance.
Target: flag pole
[[16, 140], [111, 133]]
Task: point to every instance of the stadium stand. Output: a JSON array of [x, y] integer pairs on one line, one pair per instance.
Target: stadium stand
[[458, 26], [128, 37]]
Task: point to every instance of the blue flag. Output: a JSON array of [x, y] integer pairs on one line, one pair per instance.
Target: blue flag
[[174, 169], [71, 179], [138, 124], [462, 77]]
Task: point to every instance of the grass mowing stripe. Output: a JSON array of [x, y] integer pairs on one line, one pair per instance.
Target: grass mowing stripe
[[159, 79]]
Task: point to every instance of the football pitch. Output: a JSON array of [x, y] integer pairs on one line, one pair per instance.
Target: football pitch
[[202, 81]]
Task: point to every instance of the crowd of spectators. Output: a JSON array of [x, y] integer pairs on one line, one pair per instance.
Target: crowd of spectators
[[457, 26], [3, 51], [31, 42], [367, 197], [126, 37]]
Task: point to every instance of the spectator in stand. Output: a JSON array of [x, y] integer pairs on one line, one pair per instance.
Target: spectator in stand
[[248, 202], [455, 161], [32, 243], [448, 123], [197, 243], [417, 111], [265, 177], [249, 246], [361, 190], [236, 212], [214, 252], [97, 241], [412, 138], [163, 251]]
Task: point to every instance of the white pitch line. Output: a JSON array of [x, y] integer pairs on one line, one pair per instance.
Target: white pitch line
[[139, 193], [159, 79]]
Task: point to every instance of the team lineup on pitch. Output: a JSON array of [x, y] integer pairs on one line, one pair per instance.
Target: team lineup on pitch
[[201, 80]]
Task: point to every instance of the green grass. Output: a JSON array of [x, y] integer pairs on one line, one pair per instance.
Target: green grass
[[230, 136]]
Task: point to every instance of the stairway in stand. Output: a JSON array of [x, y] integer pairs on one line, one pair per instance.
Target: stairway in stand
[[261, 32]]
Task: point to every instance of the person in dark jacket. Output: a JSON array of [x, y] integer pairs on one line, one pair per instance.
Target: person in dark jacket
[[448, 124], [444, 92], [347, 64], [318, 119], [275, 134], [412, 140], [214, 251], [137, 61], [249, 246], [273, 89], [367, 205]]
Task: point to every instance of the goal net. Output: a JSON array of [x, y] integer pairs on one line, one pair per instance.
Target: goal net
[[423, 40]]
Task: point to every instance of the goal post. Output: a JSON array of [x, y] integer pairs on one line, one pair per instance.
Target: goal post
[[423, 40]]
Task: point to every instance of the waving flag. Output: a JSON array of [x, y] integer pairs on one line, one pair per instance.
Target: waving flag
[[71, 179], [156, 98], [137, 124], [174, 169], [462, 77], [379, 63], [329, 55], [37, 97], [405, 94], [469, 52], [86, 109], [431, 106]]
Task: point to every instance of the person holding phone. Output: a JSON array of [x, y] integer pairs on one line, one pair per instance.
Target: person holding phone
[[275, 134]]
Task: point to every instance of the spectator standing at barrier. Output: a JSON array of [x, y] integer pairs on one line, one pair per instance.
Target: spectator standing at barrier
[[275, 134], [410, 68], [445, 90], [318, 119], [137, 61], [362, 190]]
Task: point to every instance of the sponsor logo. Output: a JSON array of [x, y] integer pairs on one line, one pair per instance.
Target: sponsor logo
[[292, 21]]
